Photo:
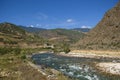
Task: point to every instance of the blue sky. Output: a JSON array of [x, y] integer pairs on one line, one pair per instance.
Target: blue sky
[[54, 13]]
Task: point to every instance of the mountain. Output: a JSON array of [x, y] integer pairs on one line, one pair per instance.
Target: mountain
[[82, 29], [9, 28], [32, 29], [106, 34], [15, 36], [61, 35]]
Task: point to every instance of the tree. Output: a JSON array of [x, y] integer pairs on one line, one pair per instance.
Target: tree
[[66, 48]]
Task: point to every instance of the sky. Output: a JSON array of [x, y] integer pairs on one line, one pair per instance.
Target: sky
[[54, 13]]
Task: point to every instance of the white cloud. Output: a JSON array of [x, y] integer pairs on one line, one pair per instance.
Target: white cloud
[[85, 26], [69, 20], [31, 25]]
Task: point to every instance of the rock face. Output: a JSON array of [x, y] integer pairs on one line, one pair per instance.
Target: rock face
[[106, 34]]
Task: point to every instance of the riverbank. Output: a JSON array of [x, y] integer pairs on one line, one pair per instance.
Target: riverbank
[[50, 73], [13, 67], [92, 54], [113, 68], [110, 68]]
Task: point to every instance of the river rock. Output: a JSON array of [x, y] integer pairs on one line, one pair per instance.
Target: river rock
[[112, 68]]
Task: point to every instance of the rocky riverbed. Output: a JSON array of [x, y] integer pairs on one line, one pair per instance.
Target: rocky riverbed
[[112, 67], [77, 66]]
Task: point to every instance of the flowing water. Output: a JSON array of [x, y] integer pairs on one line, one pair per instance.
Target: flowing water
[[75, 68]]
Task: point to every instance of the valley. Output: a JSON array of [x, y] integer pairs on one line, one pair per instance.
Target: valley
[[83, 53]]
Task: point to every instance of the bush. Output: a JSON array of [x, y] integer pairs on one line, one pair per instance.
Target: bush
[[7, 50], [62, 48], [17, 50], [66, 50], [23, 56]]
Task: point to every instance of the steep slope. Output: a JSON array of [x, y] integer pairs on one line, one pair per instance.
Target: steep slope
[[13, 35], [106, 34]]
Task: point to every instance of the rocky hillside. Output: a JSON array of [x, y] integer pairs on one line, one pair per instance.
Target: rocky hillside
[[106, 34], [13, 35]]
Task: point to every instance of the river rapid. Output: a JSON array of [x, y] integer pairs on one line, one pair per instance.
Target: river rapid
[[79, 68]]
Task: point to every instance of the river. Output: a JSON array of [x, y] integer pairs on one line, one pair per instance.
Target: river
[[79, 68]]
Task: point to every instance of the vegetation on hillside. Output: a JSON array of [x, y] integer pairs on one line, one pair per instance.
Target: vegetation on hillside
[[82, 29], [62, 47], [32, 29], [9, 28], [13, 35], [60, 36]]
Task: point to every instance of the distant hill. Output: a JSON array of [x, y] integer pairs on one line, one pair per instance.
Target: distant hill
[[82, 29], [61, 35], [9, 28], [15, 36], [106, 34], [32, 29]]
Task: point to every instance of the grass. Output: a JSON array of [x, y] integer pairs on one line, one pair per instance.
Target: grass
[[62, 77], [14, 65]]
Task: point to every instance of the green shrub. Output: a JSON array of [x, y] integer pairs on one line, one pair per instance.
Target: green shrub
[[17, 50], [66, 50], [6, 50], [23, 56], [63, 47]]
